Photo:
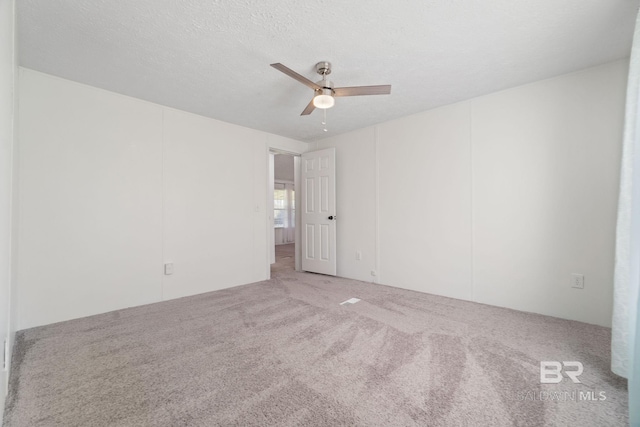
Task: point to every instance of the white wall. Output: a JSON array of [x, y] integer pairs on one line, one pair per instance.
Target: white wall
[[425, 204], [112, 187], [545, 176], [210, 202], [497, 199], [355, 202], [7, 111], [90, 201]]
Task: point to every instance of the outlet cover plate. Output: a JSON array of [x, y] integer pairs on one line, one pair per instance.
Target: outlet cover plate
[[577, 281], [168, 269]]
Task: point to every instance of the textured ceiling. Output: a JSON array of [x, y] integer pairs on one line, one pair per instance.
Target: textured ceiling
[[211, 57]]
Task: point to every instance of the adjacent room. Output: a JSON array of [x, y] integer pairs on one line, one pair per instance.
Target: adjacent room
[[276, 213]]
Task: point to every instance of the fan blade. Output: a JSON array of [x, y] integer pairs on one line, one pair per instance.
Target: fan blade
[[289, 72], [309, 109], [362, 90]]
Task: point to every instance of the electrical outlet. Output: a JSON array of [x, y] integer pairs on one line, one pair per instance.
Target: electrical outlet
[[358, 255], [577, 281], [373, 273], [168, 269]]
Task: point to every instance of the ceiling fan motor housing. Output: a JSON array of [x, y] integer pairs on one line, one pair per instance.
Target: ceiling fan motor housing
[[326, 85], [325, 91]]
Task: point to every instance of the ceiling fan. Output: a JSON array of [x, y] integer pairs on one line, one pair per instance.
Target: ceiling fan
[[324, 92]]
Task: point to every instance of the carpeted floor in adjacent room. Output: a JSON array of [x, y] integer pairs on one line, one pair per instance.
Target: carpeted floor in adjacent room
[[285, 352]]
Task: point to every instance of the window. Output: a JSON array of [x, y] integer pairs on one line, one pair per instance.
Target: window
[[284, 211], [292, 204], [280, 206]]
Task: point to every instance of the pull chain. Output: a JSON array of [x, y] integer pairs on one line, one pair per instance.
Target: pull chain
[[324, 121]]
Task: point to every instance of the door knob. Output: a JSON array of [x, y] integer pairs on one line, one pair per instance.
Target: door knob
[[332, 217]]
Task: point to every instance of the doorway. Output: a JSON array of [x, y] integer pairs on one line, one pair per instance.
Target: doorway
[[284, 233]]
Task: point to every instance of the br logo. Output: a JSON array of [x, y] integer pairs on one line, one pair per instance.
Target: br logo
[[551, 371]]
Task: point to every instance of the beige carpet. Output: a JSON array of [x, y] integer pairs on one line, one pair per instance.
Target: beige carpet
[[285, 352]]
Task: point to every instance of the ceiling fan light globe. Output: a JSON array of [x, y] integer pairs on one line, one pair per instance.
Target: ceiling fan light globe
[[323, 101]]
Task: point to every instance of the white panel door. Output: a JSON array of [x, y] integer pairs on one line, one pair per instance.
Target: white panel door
[[318, 211]]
